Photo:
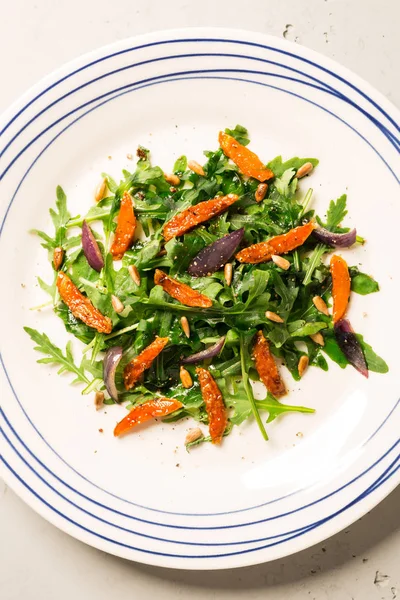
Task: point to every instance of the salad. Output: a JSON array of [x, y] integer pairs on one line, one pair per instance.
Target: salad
[[186, 288]]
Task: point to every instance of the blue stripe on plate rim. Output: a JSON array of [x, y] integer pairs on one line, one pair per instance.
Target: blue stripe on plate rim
[[383, 477], [328, 87], [256, 82]]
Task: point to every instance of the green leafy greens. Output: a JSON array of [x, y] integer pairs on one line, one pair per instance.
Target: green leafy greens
[[238, 310]]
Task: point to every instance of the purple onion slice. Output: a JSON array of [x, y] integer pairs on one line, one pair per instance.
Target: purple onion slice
[[91, 248], [216, 255], [350, 346], [204, 354], [110, 364], [335, 240]]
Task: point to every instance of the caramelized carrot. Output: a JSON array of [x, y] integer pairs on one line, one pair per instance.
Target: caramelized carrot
[[180, 291], [340, 287], [143, 361], [126, 226], [279, 244], [159, 407], [215, 406], [266, 367], [204, 211], [245, 159], [80, 305]]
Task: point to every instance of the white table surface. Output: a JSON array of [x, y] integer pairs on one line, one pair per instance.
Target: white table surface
[[36, 560]]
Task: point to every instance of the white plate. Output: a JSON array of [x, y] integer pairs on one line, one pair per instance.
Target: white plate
[[144, 497]]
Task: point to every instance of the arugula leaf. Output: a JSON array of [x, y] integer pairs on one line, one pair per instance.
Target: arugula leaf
[[374, 362], [240, 134], [245, 362], [278, 167], [56, 356], [335, 215], [361, 283], [275, 408], [302, 328]]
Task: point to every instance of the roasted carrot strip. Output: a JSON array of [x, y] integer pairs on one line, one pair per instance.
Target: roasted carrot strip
[[340, 287], [215, 406], [80, 305], [280, 244], [143, 361], [204, 211], [159, 407], [266, 367], [245, 159], [126, 226], [180, 291]]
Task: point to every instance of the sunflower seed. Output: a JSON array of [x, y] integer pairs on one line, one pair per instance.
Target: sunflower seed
[[303, 364], [193, 435], [98, 400], [185, 377], [281, 262], [320, 305], [185, 326], [228, 271], [100, 190], [134, 273], [117, 304], [172, 179], [261, 191], [273, 317], [58, 257], [304, 170], [196, 168], [318, 338]]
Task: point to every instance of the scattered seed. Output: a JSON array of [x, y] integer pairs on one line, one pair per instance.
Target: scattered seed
[[318, 338], [185, 326], [320, 305], [228, 271], [281, 262], [196, 168], [172, 179], [261, 191], [303, 364], [117, 304], [98, 400], [172, 189], [134, 273], [100, 190], [299, 434], [273, 316], [193, 435], [58, 257], [304, 170], [185, 377], [129, 156]]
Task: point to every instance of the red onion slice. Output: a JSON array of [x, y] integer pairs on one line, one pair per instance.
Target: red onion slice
[[91, 248], [204, 354], [110, 364], [350, 346], [335, 240], [216, 255]]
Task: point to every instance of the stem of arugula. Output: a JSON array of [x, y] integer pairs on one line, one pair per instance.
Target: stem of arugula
[[249, 390], [315, 258]]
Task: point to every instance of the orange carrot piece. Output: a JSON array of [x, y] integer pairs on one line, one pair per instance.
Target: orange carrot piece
[[159, 407], [341, 284], [180, 291], [143, 361], [279, 244], [80, 305], [215, 406], [193, 216], [245, 159], [266, 367], [126, 226]]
